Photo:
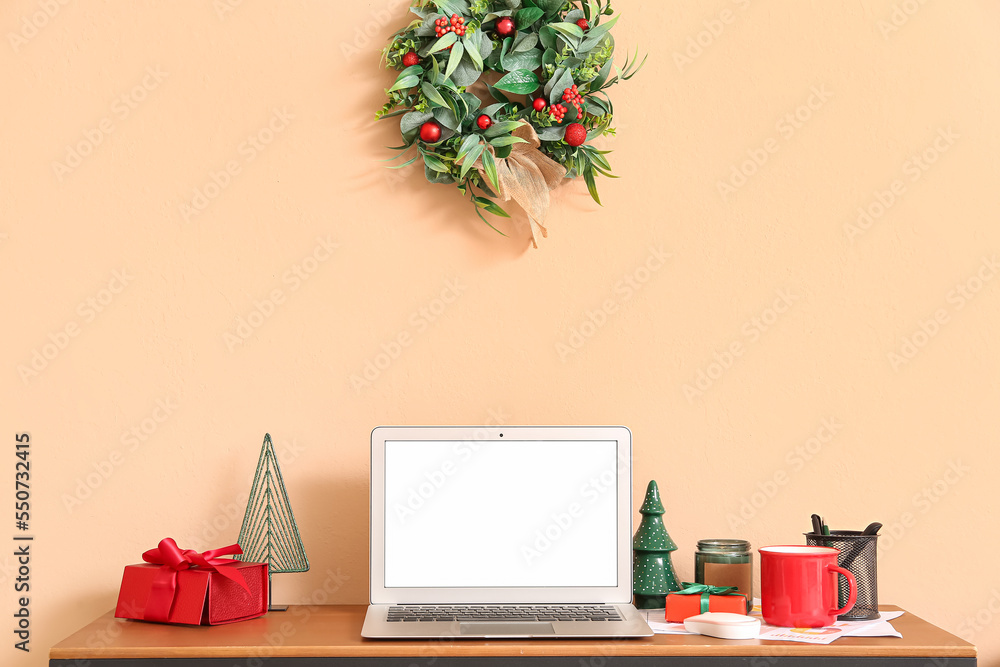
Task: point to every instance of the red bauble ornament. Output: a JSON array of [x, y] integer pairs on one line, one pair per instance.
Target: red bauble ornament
[[539, 104], [505, 26], [484, 122], [411, 59], [576, 134], [430, 132], [583, 24]]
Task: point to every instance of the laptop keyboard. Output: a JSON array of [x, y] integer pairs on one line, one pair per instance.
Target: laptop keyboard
[[416, 613]]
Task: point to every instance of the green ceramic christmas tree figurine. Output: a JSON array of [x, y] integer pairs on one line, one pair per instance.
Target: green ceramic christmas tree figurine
[[653, 574]]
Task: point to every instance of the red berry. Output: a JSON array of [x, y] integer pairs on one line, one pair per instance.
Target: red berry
[[576, 134], [583, 24], [539, 103], [484, 122], [430, 132], [505, 26], [411, 59]]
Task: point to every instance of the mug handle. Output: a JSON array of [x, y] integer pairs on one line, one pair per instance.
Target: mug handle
[[852, 596]]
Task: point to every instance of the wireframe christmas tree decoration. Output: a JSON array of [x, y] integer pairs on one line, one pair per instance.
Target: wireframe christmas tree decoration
[[269, 533], [653, 573]]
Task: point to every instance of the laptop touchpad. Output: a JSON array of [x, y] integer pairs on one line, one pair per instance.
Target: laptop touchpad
[[526, 628]]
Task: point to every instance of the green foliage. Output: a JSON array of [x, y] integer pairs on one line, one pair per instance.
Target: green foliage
[[546, 54]]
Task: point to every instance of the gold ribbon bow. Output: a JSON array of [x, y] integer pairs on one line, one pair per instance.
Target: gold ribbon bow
[[526, 176]]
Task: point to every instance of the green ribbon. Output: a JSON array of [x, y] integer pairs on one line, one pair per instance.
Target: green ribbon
[[705, 591]]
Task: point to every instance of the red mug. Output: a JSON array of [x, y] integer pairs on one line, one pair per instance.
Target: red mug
[[799, 586]]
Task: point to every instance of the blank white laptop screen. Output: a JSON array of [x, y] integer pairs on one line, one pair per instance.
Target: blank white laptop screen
[[524, 514]]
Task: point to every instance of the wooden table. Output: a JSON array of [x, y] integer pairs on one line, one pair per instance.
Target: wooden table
[[330, 636]]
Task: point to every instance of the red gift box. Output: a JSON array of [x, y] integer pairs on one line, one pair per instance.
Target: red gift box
[[183, 586], [698, 599]]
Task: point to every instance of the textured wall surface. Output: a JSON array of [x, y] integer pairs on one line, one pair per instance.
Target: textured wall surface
[[790, 296]]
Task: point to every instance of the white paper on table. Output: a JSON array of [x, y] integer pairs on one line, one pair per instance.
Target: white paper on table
[[879, 627]]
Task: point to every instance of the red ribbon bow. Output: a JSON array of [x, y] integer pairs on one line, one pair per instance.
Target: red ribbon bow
[[173, 559]]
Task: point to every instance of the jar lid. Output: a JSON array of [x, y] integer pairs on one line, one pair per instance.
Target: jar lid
[[724, 546]]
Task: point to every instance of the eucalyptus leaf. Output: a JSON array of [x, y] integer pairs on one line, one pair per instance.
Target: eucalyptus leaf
[[497, 95], [469, 42], [491, 207], [568, 29], [525, 42], [596, 35], [449, 7], [439, 44], [437, 176], [434, 163], [405, 82], [490, 167], [425, 30], [412, 121], [588, 177], [529, 60], [468, 144], [485, 44], [470, 159], [432, 95], [405, 164], [500, 13], [500, 152], [598, 104], [446, 117], [550, 6], [471, 102], [492, 109], [503, 127], [527, 16], [548, 37], [554, 133], [466, 73], [602, 76], [457, 51], [509, 140], [519, 82], [562, 80]]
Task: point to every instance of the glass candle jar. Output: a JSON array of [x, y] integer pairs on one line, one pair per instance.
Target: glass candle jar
[[725, 563]]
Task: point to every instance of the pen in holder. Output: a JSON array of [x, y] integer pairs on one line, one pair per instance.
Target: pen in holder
[[858, 555]]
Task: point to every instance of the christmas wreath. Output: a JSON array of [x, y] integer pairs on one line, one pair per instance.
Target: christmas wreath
[[502, 97]]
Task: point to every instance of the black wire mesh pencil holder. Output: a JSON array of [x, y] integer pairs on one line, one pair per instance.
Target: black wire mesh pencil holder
[[858, 554]]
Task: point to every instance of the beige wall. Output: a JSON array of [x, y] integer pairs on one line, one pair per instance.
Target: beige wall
[[912, 442]]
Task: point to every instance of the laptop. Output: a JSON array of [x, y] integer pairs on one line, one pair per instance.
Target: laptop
[[501, 532]]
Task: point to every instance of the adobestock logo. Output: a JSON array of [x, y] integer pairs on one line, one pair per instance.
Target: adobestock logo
[[132, 439], [701, 41], [248, 151], [562, 522], [32, 24], [900, 15], [914, 169], [87, 310], [419, 321], [795, 461], [265, 308], [786, 126], [364, 33], [929, 328], [434, 480], [121, 108], [923, 501], [752, 331], [621, 292]]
